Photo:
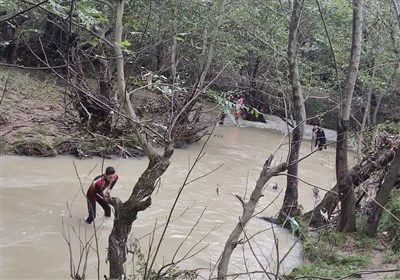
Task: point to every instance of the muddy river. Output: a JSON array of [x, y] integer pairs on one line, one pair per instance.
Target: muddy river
[[42, 200]]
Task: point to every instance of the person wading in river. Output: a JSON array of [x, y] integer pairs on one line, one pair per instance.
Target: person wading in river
[[319, 136], [100, 188], [239, 108]]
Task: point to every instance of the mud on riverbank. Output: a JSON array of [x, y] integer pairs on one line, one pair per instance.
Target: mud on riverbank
[[38, 119]]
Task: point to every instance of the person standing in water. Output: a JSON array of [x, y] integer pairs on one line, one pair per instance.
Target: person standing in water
[[99, 189], [319, 136], [239, 107]]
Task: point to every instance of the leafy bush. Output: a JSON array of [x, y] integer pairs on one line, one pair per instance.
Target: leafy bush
[[388, 127], [317, 249], [334, 266], [323, 260], [140, 267], [390, 257], [390, 224]]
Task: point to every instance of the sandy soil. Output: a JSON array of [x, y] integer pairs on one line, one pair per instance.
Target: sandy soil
[[31, 106]]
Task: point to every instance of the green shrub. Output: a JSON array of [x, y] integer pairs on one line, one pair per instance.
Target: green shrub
[[132, 142], [318, 248], [34, 148], [140, 265], [42, 130], [390, 224], [323, 260], [333, 266], [390, 257]]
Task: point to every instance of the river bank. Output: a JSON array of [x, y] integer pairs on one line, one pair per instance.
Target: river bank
[[36, 120]]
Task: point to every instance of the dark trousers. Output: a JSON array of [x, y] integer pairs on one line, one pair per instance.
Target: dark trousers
[[321, 144], [91, 203]]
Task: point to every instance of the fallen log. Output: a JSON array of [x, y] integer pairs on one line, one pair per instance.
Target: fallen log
[[358, 174]]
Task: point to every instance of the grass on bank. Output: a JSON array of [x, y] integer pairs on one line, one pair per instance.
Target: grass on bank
[[323, 257], [37, 84], [331, 254]]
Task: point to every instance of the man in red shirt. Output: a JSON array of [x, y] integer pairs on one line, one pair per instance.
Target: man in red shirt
[[98, 190]]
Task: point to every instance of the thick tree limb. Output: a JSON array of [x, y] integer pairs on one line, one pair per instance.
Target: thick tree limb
[[356, 176], [290, 201], [266, 174], [383, 194]]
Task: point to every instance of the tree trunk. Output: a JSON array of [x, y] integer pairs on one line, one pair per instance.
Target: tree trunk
[[367, 112], [290, 201], [210, 51], [119, 57], [248, 210], [376, 111], [347, 218], [126, 213], [382, 196], [175, 41], [117, 243]]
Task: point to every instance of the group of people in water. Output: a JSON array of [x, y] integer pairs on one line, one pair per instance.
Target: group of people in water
[[318, 138]]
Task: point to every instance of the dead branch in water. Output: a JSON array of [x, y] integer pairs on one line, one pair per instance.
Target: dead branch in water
[[356, 176], [248, 210]]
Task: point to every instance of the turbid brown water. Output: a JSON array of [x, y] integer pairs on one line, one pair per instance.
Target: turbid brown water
[[39, 194]]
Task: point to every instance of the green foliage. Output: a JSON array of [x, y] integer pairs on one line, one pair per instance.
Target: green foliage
[[34, 147], [132, 142], [2, 144], [391, 257], [389, 127], [321, 108], [140, 265], [8, 7], [322, 257], [42, 130], [334, 266], [251, 46], [136, 81], [317, 249], [364, 241], [90, 13], [56, 7], [64, 146], [223, 99], [391, 225], [98, 147]]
